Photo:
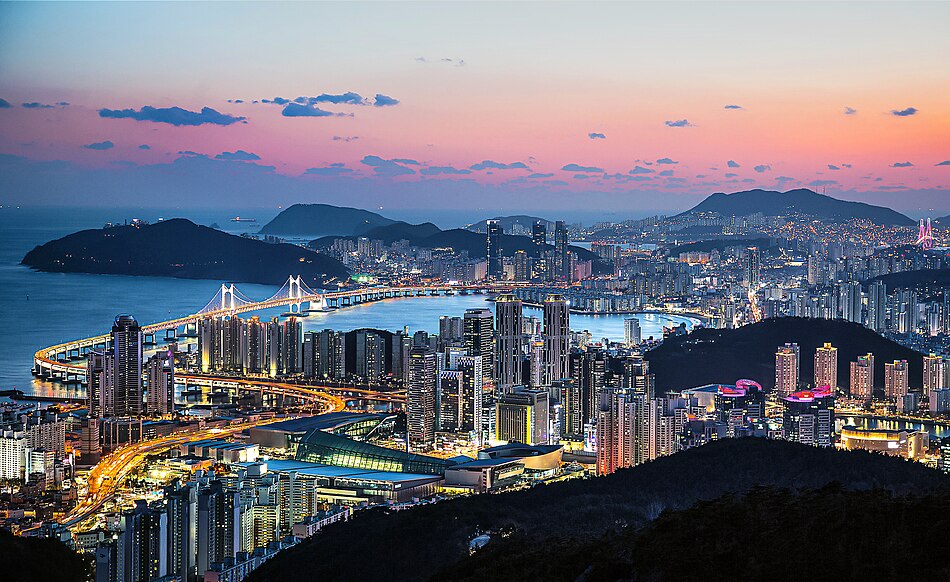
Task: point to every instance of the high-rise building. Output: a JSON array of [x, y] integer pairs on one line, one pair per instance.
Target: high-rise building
[[786, 369], [217, 534], [935, 372], [850, 302], [450, 330], [562, 263], [557, 344], [520, 262], [143, 543], [421, 396], [631, 331], [95, 379], [862, 377], [826, 366], [877, 307], [160, 384], [752, 267], [494, 253], [122, 389], [370, 355], [809, 417], [479, 338], [637, 376], [572, 409], [508, 325], [522, 416], [895, 379], [539, 233], [622, 423], [181, 510]]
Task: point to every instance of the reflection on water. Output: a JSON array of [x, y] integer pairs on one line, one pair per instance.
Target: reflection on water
[[936, 429]]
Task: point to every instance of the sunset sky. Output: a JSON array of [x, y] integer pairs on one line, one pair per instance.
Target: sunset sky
[[636, 107]]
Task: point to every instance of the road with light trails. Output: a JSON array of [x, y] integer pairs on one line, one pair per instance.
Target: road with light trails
[[106, 477]]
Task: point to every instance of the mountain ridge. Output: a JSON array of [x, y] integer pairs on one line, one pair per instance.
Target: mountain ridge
[[314, 220], [800, 200]]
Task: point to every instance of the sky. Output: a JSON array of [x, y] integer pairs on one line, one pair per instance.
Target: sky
[[620, 107]]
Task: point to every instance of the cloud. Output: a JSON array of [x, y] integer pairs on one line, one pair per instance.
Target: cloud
[[384, 167], [594, 135], [440, 170], [732, 164], [35, 105], [191, 154], [750, 180], [943, 163], [444, 60], [406, 161], [4, 104], [298, 110], [238, 156], [779, 179], [666, 173], [732, 107], [666, 161], [345, 138], [833, 167], [100, 145], [145, 147], [536, 175], [850, 111], [384, 100], [731, 175], [641, 170], [678, 123], [902, 165], [336, 169], [845, 165], [491, 165], [762, 168], [172, 115], [904, 112], [349, 97], [580, 168], [822, 182], [581, 176]]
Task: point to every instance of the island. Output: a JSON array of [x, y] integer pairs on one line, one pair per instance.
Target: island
[[180, 248]]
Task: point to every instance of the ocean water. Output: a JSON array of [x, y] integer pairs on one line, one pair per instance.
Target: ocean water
[[42, 309]]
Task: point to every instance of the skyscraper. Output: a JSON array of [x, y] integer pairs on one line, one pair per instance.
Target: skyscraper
[[478, 330], [421, 396], [556, 339], [895, 379], [620, 415], [631, 331], [493, 252], [826, 366], [862, 377], [562, 263], [123, 370], [752, 267], [520, 260], [508, 325], [850, 302], [786, 369]]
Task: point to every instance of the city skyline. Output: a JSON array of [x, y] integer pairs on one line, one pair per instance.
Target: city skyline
[[652, 109]]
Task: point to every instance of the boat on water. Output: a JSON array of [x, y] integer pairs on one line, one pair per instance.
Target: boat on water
[[239, 219]]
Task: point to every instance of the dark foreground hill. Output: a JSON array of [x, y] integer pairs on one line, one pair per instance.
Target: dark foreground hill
[[431, 542], [768, 534], [312, 220], [183, 249], [800, 201], [713, 356], [40, 559], [925, 280]]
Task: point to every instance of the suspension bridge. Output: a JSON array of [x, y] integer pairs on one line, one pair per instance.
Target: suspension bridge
[[61, 362]]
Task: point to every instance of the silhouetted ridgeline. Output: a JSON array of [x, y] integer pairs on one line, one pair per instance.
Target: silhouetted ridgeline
[[711, 356], [183, 249], [927, 280], [431, 542], [800, 201], [705, 246], [310, 220]]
